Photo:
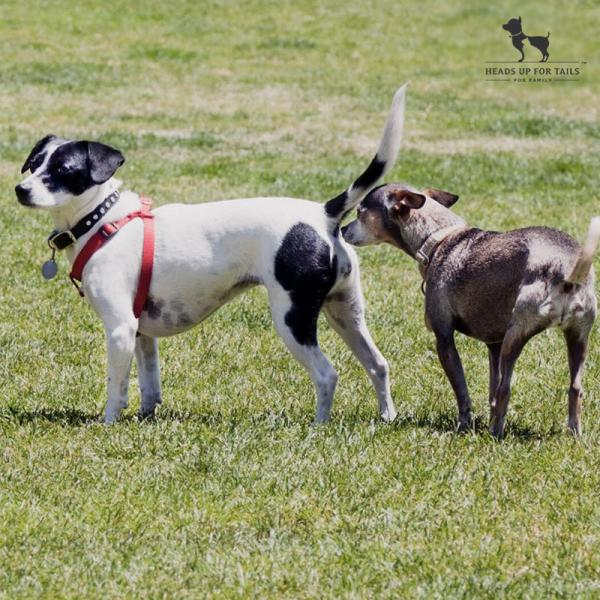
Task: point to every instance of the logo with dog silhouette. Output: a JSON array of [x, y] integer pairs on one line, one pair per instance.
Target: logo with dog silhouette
[[516, 71], [515, 29]]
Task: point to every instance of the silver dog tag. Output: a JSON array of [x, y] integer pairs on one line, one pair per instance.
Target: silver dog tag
[[49, 269]]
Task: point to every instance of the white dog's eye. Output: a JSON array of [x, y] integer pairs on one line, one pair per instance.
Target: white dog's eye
[[36, 163], [61, 170]]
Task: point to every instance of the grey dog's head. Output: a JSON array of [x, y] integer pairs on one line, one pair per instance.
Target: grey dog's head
[[400, 215], [61, 170]]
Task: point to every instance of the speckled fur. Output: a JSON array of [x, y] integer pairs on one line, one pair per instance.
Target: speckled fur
[[499, 288]]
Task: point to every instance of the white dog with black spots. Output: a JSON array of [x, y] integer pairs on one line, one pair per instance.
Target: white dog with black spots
[[205, 254]]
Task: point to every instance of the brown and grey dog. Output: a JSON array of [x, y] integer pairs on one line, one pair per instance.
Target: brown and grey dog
[[500, 288]]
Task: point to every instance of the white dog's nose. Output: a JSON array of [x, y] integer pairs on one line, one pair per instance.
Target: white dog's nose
[[23, 195]]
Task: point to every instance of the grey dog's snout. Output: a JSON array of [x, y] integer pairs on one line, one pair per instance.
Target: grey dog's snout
[[22, 195], [347, 233]]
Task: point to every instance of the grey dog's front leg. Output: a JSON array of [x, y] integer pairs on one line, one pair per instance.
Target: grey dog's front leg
[[450, 359]]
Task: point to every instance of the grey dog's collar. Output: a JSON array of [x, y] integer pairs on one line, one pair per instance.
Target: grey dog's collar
[[425, 252]]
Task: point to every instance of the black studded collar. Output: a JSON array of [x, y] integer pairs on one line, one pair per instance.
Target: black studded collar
[[59, 240]]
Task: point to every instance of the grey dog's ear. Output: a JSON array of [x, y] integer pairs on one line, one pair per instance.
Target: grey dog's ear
[[401, 200], [39, 146], [103, 161], [444, 198]]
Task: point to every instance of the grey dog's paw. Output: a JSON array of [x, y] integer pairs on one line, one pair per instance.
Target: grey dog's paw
[[497, 429], [464, 425], [146, 415]]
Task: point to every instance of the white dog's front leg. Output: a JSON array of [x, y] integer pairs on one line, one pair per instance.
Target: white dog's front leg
[[146, 356], [120, 347]]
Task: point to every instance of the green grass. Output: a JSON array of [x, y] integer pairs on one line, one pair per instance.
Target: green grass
[[231, 491]]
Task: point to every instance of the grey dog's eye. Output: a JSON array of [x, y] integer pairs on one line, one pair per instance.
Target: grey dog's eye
[[61, 170]]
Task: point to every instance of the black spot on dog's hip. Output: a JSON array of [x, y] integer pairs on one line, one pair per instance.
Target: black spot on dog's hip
[[154, 307], [304, 268]]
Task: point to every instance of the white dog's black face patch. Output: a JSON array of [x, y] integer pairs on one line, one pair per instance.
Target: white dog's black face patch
[[38, 153], [63, 169]]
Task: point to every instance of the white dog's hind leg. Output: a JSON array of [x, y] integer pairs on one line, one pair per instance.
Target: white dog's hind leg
[[308, 355], [146, 356], [345, 313], [120, 341]]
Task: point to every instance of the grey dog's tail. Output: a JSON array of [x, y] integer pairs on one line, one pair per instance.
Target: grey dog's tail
[[337, 208], [584, 262]]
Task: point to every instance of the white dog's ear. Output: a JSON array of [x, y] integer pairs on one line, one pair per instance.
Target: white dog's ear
[[103, 161], [39, 146]]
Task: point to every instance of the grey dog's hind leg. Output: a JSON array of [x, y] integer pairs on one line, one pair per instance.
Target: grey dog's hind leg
[[577, 344], [494, 362], [512, 346]]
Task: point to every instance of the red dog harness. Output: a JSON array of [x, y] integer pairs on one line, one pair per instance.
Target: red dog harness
[[104, 234]]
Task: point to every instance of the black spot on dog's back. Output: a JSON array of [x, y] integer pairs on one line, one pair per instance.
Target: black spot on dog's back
[[304, 268]]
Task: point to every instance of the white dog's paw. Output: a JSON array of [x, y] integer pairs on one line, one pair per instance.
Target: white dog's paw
[[111, 416], [389, 415]]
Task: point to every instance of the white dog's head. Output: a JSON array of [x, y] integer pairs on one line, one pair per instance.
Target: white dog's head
[[62, 170]]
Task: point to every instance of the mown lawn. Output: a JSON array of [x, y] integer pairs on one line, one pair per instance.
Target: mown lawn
[[232, 492]]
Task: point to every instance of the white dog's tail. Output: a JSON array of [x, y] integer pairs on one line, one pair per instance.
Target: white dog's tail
[[338, 207], [584, 262]]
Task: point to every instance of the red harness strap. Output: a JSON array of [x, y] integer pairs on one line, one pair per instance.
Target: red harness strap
[[104, 234]]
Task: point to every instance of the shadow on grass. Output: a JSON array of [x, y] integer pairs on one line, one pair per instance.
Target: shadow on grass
[[446, 423], [435, 422], [72, 417], [275, 419], [438, 422]]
